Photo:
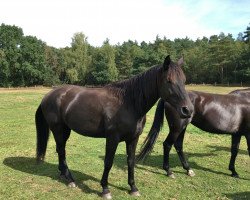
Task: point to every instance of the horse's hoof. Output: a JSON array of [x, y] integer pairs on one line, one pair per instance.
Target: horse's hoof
[[106, 195], [235, 176], [72, 185], [39, 160], [191, 173], [62, 177], [135, 194], [171, 175]]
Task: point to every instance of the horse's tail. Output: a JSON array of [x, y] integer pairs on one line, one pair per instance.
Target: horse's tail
[[42, 133], [150, 140]]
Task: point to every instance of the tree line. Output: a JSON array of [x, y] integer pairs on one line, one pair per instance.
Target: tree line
[[28, 61]]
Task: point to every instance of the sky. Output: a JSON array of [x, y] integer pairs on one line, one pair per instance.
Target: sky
[[56, 21]]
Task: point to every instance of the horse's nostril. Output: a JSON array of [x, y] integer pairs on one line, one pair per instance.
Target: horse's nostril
[[185, 111]]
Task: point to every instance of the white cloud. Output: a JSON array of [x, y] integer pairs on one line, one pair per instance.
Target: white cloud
[[55, 21]]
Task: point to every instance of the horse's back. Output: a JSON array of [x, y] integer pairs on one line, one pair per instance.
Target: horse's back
[[87, 112], [51, 104], [72, 106], [243, 93]]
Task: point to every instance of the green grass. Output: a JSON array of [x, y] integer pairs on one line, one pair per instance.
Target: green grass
[[22, 178]]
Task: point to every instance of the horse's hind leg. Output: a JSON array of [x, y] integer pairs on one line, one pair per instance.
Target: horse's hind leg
[[248, 143], [61, 135], [131, 147], [234, 151], [179, 149]]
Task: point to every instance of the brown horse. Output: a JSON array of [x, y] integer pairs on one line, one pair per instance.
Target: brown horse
[[115, 112], [213, 113]]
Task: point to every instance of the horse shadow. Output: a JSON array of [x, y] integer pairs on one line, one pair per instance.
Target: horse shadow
[[239, 196], [29, 165], [227, 149], [156, 162]]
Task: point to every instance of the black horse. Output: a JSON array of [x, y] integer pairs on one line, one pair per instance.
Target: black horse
[[115, 112], [215, 113]]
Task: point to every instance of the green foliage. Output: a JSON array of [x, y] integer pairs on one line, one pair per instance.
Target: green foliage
[[82, 59], [28, 61], [246, 36], [32, 61], [23, 59], [10, 40], [4, 70], [103, 67], [124, 60]]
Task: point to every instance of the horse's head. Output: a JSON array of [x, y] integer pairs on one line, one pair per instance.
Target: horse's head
[[172, 87]]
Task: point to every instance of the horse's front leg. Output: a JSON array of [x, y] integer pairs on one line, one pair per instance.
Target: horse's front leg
[[166, 150], [111, 146], [131, 147], [179, 149], [234, 151]]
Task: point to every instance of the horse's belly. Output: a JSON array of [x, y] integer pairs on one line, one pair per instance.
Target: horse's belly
[[89, 133], [217, 118], [221, 125], [86, 124]]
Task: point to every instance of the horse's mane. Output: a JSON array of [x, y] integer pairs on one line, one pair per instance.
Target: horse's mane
[[135, 82], [136, 89], [141, 90]]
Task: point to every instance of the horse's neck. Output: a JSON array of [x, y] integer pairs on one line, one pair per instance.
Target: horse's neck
[[144, 93], [140, 92]]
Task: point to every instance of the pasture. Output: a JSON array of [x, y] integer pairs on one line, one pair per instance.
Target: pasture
[[22, 178]]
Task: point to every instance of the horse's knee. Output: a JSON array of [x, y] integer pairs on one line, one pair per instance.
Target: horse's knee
[[60, 151], [234, 150], [108, 164], [167, 146], [178, 147], [130, 162]]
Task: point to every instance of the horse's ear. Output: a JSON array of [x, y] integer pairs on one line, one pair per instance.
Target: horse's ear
[[166, 62], [181, 61]]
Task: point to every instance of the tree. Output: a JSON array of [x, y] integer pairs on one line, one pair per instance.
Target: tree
[[196, 64], [220, 51], [26, 60], [246, 36], [81, 56], [104, 67], [10, 40], [53, 60], [109, 56], [4, 70], [124, 61], [69, 72], [33, 69], [182, 44], [130, 59]]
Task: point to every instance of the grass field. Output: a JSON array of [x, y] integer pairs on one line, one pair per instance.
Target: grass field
[[22, 178]]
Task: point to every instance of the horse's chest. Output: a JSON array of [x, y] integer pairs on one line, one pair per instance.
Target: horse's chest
[[125, 123], [120, 123]]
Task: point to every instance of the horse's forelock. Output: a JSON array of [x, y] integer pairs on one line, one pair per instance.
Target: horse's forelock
[[175, 73]]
